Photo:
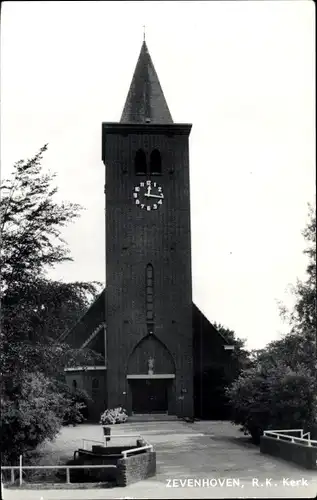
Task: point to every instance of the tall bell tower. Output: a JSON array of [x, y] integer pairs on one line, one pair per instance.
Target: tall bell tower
[[149, 337]]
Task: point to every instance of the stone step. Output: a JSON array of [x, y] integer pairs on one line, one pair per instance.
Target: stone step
[[152, 417]]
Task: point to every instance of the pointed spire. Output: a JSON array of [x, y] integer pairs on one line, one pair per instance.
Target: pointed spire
[[145, 102]]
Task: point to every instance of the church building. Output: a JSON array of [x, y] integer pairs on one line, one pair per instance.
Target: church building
[[157, 346]]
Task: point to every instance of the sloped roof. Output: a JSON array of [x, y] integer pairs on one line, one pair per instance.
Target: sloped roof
[[94, 317], [202, 322], [90, 320], [145, 102]]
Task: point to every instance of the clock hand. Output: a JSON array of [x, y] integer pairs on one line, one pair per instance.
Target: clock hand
[[155, 196], [148, 191]]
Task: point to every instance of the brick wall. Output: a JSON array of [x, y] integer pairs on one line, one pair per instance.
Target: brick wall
[[136, 468], [136, 238], [212, 369], [306, 456]]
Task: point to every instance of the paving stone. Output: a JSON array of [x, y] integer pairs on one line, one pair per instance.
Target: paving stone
[[203, 450]]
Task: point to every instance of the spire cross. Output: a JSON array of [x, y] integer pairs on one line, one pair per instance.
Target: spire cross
[[144, 32]]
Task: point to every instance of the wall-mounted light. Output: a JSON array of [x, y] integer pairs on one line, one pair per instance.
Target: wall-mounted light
[[228, 347]]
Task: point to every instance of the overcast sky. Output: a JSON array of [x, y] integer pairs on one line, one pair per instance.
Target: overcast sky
[[242, 72]]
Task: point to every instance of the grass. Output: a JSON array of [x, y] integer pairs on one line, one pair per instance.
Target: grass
[[43, 455], [53, 453], [57, 452]]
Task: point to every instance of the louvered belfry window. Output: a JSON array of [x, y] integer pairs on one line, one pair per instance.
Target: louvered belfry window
[[149, 288], [155, 162], [140, 162], [144, 167]]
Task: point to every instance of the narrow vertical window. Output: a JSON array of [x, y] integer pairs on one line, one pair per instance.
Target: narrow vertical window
[[155, 162], [149, 287], [74, 385], [95, 383], [140, 162]]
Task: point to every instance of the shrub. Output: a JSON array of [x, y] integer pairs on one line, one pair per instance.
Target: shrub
[[75, 411], [34, 411], [74, 414], [114, 416], [278, 398], [30, 417]]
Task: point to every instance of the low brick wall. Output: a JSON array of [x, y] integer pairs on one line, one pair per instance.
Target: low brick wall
[[306, 456], [110, 450], [136, 468], [87, 474], [98, 458]]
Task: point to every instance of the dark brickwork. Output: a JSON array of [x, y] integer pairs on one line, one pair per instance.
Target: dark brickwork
[[212, 369], [162, 323], [135, 238], [86, 380], [209, 358], [136, 468]]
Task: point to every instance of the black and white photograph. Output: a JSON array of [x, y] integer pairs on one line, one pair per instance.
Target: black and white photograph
[[158, 250]]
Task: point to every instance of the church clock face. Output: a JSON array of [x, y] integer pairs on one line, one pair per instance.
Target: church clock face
[[148, 195]]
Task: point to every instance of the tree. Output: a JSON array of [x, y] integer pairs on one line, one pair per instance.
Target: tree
[[35, 310], [303, 318], [299, 346], [305, 311], [44, 309], [283, 375], [31, 224], [273, 396]]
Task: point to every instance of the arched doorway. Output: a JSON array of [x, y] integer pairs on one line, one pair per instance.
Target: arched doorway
[[151, 374]]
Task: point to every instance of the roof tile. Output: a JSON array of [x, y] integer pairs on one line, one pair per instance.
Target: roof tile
[[145, 102]]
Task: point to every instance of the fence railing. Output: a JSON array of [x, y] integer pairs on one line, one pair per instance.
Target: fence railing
[[286, 435], [112, 436], [125, 453], [34, 467]]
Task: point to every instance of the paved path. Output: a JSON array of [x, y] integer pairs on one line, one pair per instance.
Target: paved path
[[200, 460]]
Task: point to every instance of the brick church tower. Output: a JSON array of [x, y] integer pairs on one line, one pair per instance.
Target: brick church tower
[[159, 353], [149, 339]]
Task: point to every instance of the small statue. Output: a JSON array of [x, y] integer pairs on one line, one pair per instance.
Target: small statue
[[151, 366]]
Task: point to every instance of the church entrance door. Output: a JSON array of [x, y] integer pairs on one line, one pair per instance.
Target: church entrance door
[[149, 396]]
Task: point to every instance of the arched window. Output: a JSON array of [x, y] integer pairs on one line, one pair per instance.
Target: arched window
[[140, 162], [149, 288], [74, 385], [95, 383], [155, 162]]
